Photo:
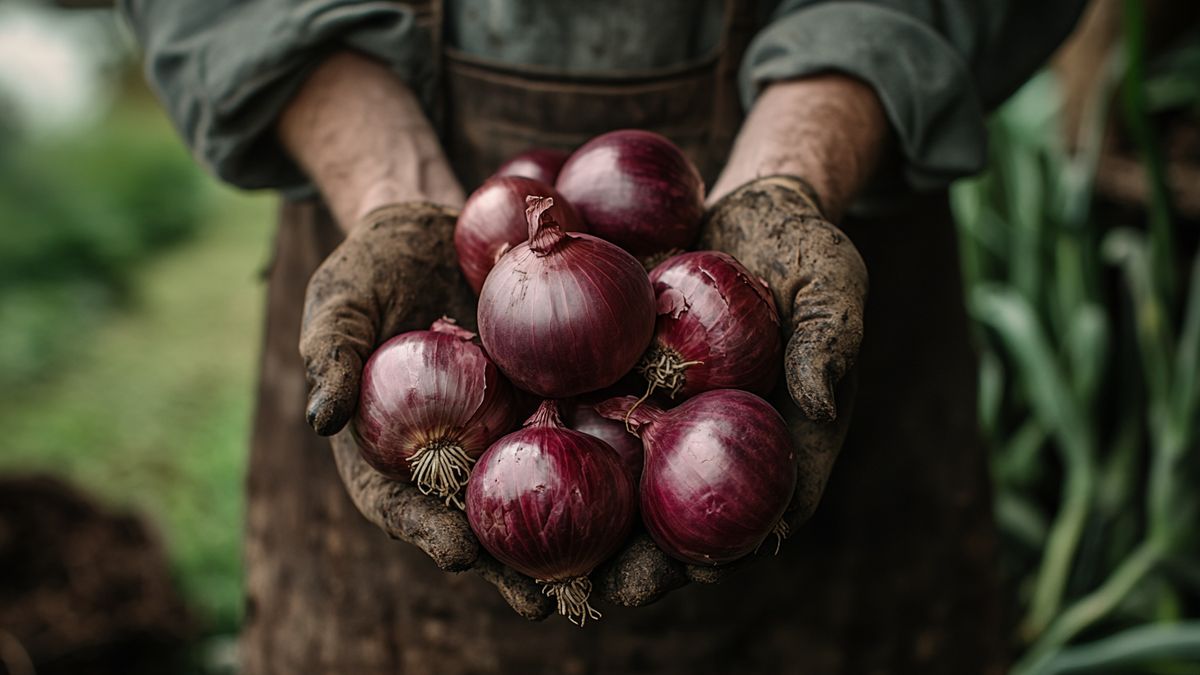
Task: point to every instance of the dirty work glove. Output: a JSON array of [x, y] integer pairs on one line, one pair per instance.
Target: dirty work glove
[[395, 272], [774, 226]]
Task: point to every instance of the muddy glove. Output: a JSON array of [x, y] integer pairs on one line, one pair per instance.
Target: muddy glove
[[395, 272], [775, 228]]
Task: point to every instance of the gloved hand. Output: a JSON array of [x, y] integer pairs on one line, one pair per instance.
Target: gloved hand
[[774, 227], [395, 272]]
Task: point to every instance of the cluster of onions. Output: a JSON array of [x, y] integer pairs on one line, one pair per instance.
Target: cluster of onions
[[565, 312]]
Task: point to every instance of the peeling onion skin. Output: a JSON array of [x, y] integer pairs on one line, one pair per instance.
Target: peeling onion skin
[[565, 313], [719, 473], [636, 189], [714, 314], [425, 388], [540, 164], [493, 221], [551, 502], [582, 416]]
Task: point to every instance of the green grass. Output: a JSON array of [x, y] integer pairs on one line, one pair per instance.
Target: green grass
[[150, 409]]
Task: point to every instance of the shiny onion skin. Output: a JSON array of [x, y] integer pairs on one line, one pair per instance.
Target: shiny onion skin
[[541, 164], [552, 503], [493, 221], [431, 402], [717, 328], [582, 416], [719, 473], [565, 313], [635, 189]]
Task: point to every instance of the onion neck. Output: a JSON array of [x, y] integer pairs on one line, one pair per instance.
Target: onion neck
[[449, 326], [546, 415], [633, 411], [544, 232]]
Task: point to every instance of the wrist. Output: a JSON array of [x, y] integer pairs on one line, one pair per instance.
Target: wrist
[[829, 130], [361, 136]]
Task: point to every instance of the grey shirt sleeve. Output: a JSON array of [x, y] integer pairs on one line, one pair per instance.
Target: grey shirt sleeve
[[937, 65], [226, 68]]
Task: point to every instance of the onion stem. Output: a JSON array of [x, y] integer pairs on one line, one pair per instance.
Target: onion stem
[[572, 596], [442, 468]]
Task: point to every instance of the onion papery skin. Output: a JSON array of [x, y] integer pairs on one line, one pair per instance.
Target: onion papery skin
[[551, 502], [715, 315], [429, 390], [718, 474], [582, 416], [541, 164], [566, 313], [493, 221], [636, 189]]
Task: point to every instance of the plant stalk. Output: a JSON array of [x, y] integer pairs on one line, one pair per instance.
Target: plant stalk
[[1092, 607]]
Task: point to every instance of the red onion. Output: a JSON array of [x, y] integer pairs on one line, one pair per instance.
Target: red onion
[[582, 416], [431, 403], [541, 164], [635, 189], [719, 473], [493, 221], [565, 313], [717, 328], [552, 503]]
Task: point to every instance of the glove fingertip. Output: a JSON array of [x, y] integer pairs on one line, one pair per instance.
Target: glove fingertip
[[813, 394], [315, 413], [327, 414]]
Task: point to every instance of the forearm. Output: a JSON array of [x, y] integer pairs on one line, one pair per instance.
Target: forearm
[[829, 130], [360, 135]]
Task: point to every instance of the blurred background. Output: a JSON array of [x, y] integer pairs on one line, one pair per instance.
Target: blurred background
[[130, 311]]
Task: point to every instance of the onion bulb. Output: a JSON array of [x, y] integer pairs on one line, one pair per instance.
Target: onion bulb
[[431, 402], [582, 416], [565, 313], [718, 474], [552, 503], [541, 164], [635, 189], [493, 221], [717, 328]]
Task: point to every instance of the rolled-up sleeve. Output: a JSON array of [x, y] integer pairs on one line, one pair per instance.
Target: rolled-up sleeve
[[225, 69], [937, 65]]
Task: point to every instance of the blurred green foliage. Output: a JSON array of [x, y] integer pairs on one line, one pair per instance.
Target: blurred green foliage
[[1089, 328], [80, 212], [130, 305]]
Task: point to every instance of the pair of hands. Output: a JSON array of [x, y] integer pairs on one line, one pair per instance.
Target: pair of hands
[[397, 271]]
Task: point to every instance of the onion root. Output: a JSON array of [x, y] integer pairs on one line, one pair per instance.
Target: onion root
[[781, 532], [572, 597], [663, 368], [442, 468]]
